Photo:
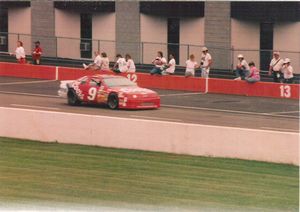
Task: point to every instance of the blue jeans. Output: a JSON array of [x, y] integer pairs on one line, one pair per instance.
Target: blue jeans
[[155, 70], [242, 73]]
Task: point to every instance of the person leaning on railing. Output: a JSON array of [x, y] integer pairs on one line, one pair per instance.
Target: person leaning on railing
[[276, 66], [20, 53]]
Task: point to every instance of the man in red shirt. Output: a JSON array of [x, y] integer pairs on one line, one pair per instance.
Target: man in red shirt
[[36, 54]]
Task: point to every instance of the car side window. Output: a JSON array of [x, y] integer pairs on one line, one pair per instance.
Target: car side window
[[83, 80], [94, 83]]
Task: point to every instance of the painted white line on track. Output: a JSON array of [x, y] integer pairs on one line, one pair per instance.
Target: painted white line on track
[[279, 129], [157, 118], [26, 82], [181, 94], [227, 111], [146, 120], [35, 106], [29, 94], [285, 112]]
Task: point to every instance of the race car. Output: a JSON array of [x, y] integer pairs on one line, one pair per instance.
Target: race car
[[115, 91]]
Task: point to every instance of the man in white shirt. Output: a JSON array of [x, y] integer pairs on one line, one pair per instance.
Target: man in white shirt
[[276, 66], [20, 53], [170, 67], [242, 68], [206, 62], [120, 65], [96, 64]]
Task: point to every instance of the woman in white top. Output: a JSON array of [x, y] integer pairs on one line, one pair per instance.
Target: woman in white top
[[287, 70], [170, 67], [104, 64], [20, 53], [158, 62], [130, 63], [191, 65]]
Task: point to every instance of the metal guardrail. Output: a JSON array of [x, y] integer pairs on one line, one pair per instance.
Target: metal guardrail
[[142, 52]]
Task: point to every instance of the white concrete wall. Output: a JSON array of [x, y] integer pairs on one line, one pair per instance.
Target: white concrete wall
[[179, 138], [191, 32], [245, 35], [287, 38], [153, 29], [104, 28], [19, 21], [67, 24]]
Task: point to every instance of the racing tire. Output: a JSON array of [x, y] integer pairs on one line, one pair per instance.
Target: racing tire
[[113, 101], [72, 98]]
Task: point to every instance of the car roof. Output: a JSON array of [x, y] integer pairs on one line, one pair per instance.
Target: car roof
[[105, 76]]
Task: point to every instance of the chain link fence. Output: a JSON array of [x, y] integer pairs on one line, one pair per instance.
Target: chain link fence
[[142, 52]]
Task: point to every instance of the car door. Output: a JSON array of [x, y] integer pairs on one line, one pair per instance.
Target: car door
[[89, 90]]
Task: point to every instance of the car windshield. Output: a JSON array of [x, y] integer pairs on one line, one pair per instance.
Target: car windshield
[[118, 81]]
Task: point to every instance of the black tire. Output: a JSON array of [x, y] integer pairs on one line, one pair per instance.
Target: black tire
[[113, 101], [72, 98]]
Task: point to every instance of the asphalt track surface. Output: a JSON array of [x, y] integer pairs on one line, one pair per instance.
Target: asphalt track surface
[[176, 106]]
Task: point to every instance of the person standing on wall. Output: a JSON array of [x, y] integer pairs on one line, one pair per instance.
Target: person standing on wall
[[20, 53], [37, 53], [287, 71], [206, 61], [276, 66]]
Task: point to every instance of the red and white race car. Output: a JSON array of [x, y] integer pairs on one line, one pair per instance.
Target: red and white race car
[[115, 91]]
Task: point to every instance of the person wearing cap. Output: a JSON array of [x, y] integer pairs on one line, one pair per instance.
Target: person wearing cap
[[254, 74], [276, 66], [206, 62], [36, 54], [287, 71], [242, 68]]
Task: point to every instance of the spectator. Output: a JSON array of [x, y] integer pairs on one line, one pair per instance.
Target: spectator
[[287, 70], [96, 64], [206, 62], [130, 63], [254, 74], [275, 67], [20, 53], [191, 64], [37, 53], [159, 61], [170, 67], [121, 65], [242, 68], [104, 64]]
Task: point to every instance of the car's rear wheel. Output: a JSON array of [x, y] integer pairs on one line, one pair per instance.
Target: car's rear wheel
[[113, 101], [72, 98]]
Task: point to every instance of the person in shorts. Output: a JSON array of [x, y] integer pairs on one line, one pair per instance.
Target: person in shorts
[[96, 64]]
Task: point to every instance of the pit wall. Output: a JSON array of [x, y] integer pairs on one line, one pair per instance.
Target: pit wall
[[161, 136], [212, 85]]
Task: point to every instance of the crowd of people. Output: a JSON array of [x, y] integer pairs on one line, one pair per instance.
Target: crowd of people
[[280, 69]]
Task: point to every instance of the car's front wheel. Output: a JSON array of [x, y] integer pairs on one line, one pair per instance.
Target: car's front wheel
[[72, 98], [113, 101]]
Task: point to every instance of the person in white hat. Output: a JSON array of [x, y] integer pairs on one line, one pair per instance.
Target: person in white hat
[[206, 61], [276, 66], [287, 71], [242, 68]]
